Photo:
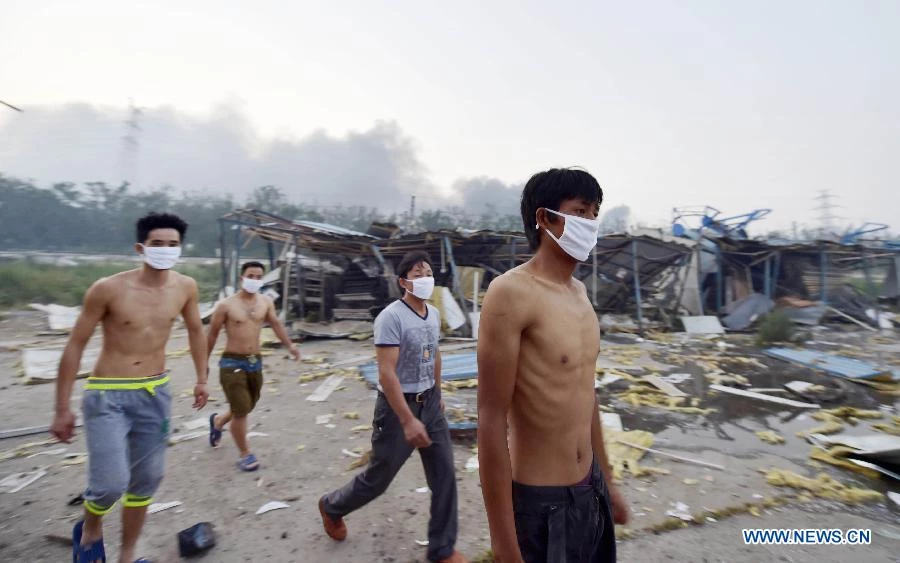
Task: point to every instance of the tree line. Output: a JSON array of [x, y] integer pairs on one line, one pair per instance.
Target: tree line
[[99, 217]]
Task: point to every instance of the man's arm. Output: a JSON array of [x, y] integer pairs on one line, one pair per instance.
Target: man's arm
[[500, 334], [279, 330], [92, 311], [197, 342], [413, 429], [619, 505], [220, 314]]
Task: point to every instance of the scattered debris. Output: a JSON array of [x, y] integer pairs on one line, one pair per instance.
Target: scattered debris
[[822, 486], [324, 418], [160, 506], [760, 396], [40, 365], [832, 364], [423, 490], [643, 395], [74, 459], [895, 497], [361, 428], [361, 462], [423, 543], [178, 438], [671, 455], [770, 437], [196, 424], [611, 420], [197, 539], [702, 325], [256, 435], [472, 464], [351, 454], [270, 506], [676, 378], [851, 412], [680, 511], [301, 447], [664, 386], [690, 482], [59, 317], [351, 415], [326, 389], [18, 481]]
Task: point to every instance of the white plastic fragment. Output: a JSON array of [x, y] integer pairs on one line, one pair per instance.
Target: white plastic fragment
[[160, 506], [270, 506]]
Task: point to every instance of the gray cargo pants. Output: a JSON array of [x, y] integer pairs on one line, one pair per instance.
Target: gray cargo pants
[[390, 450]]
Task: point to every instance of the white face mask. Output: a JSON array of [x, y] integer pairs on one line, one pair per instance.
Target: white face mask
[[161, 257], [422, 287], [250, 285], [579, 235]]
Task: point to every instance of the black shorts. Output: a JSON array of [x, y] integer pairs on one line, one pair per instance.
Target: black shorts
[[565, 524]]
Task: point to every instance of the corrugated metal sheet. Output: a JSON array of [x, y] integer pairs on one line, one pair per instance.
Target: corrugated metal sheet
[[840, 366], [453, 367]]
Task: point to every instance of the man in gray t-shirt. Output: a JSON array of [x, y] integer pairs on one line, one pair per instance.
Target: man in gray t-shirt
[[409, 414], [416, 338]]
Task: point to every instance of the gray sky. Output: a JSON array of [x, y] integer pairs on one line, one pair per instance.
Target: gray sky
[[734, 104]]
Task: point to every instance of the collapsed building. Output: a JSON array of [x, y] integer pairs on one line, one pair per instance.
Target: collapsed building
[[323, 273]]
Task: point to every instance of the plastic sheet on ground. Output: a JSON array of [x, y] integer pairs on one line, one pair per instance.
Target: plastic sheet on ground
[[40, 365]]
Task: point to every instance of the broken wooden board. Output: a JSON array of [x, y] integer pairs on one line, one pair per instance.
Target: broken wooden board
[[702, 325], [762, 397], [40, 365], [326, 388], [664, 386]]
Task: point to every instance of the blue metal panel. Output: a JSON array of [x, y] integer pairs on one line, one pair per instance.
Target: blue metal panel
[[453, 367], [840, 366]]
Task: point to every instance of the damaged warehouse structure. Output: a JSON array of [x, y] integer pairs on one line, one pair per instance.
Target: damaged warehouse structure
[[323, 273]]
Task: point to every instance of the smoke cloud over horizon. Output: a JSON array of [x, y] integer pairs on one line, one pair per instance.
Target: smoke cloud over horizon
[[378, 167]]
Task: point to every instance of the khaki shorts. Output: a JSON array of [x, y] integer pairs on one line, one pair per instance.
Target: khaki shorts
[[242, 387]]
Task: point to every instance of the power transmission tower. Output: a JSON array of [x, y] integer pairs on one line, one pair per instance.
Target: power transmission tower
[[411, 220], [827, 217], [131, 144]]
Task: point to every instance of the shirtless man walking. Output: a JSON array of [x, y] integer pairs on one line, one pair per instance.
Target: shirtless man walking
[[126, 401], [240, 368], [548, 490]]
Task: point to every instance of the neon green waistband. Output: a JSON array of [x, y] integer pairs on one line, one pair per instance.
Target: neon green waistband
[[148, 384]]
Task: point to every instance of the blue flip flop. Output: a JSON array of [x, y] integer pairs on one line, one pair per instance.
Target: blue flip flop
[[215, 435], [248, 463], [89, 553]]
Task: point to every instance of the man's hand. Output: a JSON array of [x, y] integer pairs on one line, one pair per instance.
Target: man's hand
[[415, 433], [295, 352], [619, 505], [442, 405], [63, 427], [200, 395]]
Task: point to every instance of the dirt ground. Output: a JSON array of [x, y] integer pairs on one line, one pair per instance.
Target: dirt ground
[[301, 460]]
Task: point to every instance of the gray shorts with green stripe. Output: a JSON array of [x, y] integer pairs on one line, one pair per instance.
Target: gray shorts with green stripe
[[126, 424]]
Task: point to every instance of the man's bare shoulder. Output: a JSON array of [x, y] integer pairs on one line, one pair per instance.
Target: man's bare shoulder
[[113, 283], [511, 283], [184, 281]]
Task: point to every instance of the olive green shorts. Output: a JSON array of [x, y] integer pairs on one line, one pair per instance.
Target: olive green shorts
[[242, 380]]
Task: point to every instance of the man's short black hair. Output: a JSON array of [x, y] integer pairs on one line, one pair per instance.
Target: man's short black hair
[[549, 189], [153, 221], [248, 265], [409, 261]]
